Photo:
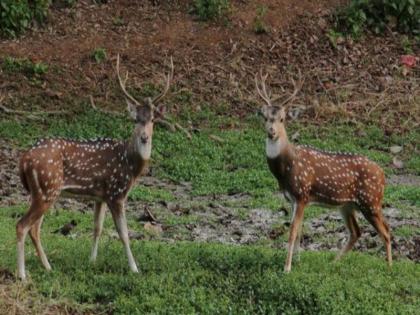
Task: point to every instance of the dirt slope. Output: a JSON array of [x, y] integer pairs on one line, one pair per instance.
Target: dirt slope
[[215, 61]]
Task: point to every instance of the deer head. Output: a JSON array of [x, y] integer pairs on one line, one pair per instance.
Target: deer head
[[274, 113], [144, 112]]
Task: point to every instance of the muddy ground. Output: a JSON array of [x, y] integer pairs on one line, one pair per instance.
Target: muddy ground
[[227, 218]]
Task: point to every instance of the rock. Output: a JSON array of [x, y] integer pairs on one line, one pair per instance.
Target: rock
[[155, 229], [397, 163], [395, 149], [135, 235]]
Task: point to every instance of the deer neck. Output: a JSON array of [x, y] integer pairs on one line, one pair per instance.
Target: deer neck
[[138, 154], [280, 156], [280, 147]]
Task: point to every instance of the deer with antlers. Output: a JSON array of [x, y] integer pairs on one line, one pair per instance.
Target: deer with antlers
[[102, 169], [308, 175]]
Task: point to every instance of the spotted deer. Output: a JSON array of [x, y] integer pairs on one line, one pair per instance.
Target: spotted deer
[[102, 169], [307, 175]]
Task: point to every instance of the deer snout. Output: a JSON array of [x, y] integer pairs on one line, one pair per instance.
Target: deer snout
[[271, 132], [144, 138]]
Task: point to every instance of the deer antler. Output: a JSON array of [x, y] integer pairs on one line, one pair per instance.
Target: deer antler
[[263, 91], [168, 79], [296, 88], [266, 96], [122, 83]]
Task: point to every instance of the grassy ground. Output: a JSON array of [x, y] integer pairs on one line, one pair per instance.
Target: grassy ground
[[187, 277], [208, 278]]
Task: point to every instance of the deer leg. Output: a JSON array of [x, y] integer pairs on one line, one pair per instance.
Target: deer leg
[[350, 220], [99, 217], [34, 213], [377, 220], [296, 247], [35, 234], [118, 214], [296, 222]]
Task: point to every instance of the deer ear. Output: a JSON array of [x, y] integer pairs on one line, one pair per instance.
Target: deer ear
[[132, 109], [264, 111], [159, 112]]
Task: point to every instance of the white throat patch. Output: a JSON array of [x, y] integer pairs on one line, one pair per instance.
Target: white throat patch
[[273, 148], [144, 149]]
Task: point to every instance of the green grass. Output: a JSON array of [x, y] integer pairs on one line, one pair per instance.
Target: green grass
[[187, 277], [406, 231], [149, 194], [394, 194]]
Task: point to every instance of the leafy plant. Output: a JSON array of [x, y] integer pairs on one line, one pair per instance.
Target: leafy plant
[[259, 26], [118, 21], [334, 37], [17, 15], [99, 54], [406, 45], [25, 66], [211, 9], [379, 15]]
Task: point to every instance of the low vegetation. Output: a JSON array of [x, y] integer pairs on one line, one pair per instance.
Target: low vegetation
[[99, 55], [379, 16], [211, 9], [206, 278], [260, 26], [24, 66]]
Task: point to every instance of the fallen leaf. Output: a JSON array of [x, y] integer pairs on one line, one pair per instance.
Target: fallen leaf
[[408, 60]]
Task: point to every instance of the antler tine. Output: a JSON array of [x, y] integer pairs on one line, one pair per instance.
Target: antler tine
[[168, 78], [262, 93], [296, 87], [122, 83], [263, 79]]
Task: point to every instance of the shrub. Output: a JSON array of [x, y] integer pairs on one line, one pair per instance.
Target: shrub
[[17, 15], [211, 9], [379, 15]]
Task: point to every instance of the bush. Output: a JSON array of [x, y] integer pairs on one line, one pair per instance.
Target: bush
[[379, 15], [17, 15], [211, 9]]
